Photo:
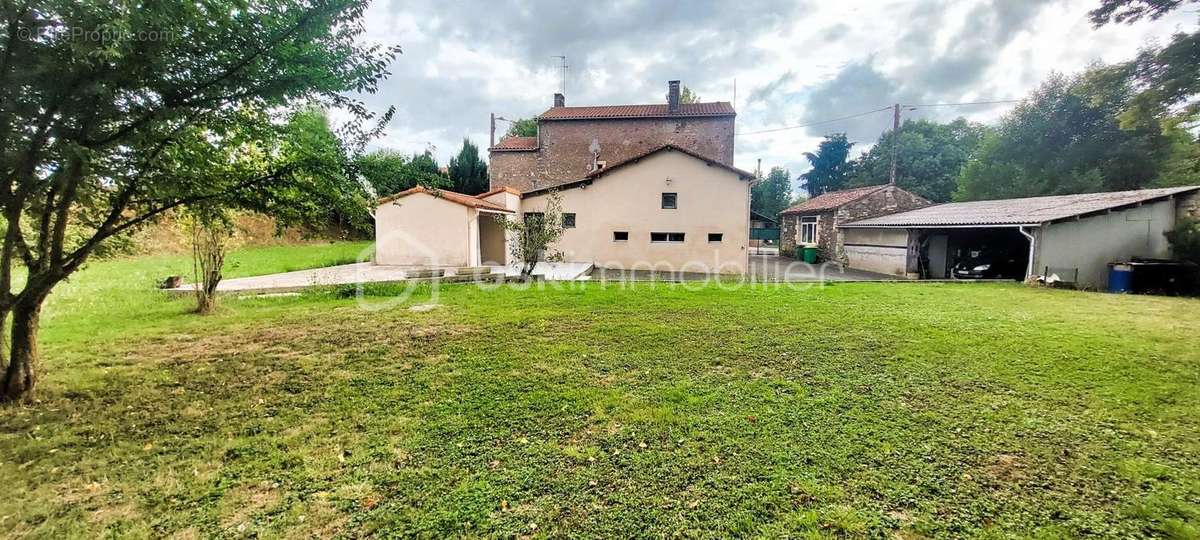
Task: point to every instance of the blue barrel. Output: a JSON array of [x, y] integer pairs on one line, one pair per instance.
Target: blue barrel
[[1120, 278]]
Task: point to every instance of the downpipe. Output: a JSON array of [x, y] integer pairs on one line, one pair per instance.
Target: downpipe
[[1032, 245]]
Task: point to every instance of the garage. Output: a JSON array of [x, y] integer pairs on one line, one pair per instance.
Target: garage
[[1072, 238]]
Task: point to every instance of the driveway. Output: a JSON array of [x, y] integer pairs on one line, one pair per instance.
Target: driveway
[[776, 268], [763, 268]]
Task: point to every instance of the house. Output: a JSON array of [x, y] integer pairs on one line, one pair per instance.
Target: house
[[572, 142], [642, 187], [1073, 237], [816, 220]]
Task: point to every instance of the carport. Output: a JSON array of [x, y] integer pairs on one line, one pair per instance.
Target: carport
[[1071, 237], [932, 252]]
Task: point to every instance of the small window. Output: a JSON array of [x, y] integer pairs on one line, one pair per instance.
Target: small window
[[715, 236], [531, 216], [808, 230], [672, 237], [620, 236], [568, 221], [670, 201]]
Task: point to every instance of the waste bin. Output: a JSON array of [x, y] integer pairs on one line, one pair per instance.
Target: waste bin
[[799, 253], [810, 254], [1120, 278]]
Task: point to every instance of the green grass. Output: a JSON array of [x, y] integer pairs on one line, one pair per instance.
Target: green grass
[[861, 410]]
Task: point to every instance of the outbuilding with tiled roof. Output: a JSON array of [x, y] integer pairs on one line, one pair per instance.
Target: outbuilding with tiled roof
[[815, 222]]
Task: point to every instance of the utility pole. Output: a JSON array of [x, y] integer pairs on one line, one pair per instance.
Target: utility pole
[[563, 60], [895, 142], [758, 170], [492, 132]]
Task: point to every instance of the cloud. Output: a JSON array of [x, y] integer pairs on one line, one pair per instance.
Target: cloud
[[795, 62]]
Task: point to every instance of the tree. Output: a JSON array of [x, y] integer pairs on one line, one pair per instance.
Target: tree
[[688, 96], [829, 166], [1185, 240], [534, 234], [523, 127], [1066, 138], [929, 158], [389, 172], [1129, 11], [211, 230], [333, 194], [102, 134], [1167, 82], [771, 195], [468, 173]]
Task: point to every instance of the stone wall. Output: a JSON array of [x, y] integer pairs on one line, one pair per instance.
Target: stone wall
[[880, 203], [517, 169], [889, 200], [565, 151], [826, 232]]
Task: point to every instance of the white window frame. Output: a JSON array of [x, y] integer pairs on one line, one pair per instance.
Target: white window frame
[[668, 238], [807, 231]]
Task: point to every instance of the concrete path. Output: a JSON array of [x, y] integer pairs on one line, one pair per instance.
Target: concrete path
[[764, 268], [367, 272], [776, 268]]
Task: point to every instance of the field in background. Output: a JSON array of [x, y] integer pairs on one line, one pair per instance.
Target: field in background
[[875, 410]]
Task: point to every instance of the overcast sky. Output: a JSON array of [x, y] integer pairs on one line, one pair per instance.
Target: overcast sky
[[793, 62]]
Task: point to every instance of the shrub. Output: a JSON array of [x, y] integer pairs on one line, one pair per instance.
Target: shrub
[[1185, 240]]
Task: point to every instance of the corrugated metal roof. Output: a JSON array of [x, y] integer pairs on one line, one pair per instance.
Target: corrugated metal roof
[[1027, 211], [658, 110], [831, 200]]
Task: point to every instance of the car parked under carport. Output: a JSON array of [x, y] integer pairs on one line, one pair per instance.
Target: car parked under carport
[[1073, 236]]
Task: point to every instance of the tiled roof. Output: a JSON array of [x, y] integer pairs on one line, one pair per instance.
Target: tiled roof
[[509, 189], [745, 175], [655, 150], [659, 110], [831, 200], [1028, 211], [516, 144], [472, 201]]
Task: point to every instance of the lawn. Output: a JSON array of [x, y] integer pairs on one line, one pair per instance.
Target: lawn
[[861, 410]]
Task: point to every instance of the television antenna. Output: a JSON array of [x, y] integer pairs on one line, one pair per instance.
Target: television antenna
[[562, 65]]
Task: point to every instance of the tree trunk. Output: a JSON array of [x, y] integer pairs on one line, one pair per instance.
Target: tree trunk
[[21, 375]]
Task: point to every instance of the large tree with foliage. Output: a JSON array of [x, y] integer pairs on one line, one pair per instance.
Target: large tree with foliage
[[1167, 84], [929, 157], [830, 168], [468, 173], [772, 194], [688, 96], [1128, 11], [523, 127], [1066, 138], [102, 132], [389, 172]]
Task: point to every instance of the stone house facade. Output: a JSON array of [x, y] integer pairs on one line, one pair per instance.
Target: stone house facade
[[817, 220], [574, 141]]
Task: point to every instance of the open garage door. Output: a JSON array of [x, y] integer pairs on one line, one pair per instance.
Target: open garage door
[[973, 253]]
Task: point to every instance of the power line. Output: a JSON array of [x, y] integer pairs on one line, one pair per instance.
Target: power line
[[997, 102], [888, 108]]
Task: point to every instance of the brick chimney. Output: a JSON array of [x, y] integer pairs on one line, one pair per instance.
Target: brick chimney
[[673, 96], [560, 100]]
